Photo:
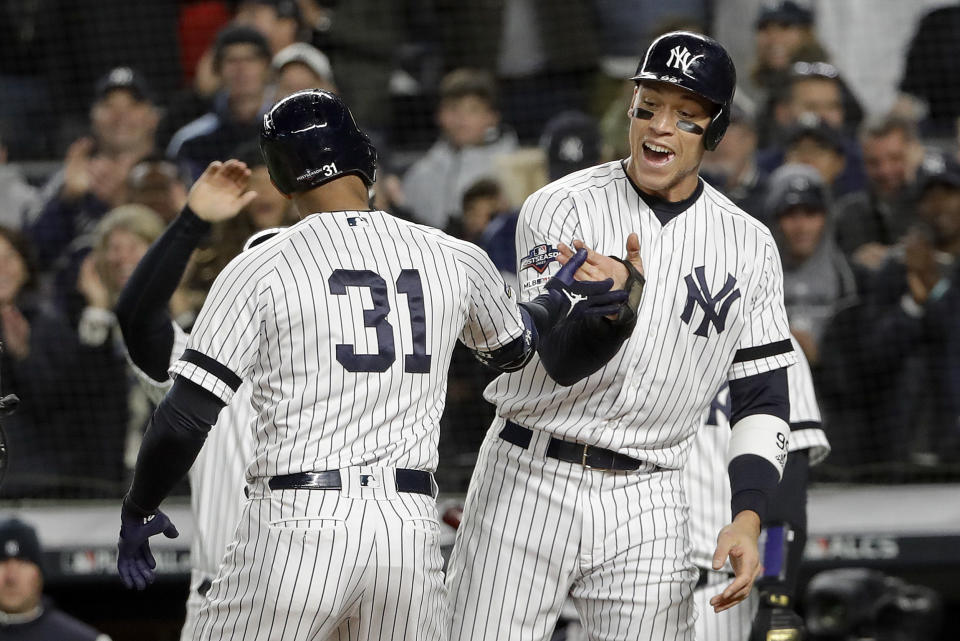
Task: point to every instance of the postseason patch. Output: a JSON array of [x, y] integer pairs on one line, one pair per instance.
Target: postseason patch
[[539, 258]]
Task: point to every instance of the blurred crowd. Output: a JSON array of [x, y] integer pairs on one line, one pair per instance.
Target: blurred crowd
[[472, 106]]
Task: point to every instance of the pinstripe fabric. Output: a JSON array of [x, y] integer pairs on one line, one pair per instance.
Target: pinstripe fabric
[[358, 563], [536, 529], [730, 625], [664, 375], [343, 327], [708, 487], [614, 542], [216, 480], [272, 318]]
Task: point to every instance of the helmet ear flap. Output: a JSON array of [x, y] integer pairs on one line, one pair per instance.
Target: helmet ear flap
[[715, 130]]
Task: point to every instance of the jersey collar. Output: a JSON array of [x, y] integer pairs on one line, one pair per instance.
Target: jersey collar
[[664, 210]]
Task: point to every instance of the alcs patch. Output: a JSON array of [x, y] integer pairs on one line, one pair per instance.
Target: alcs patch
[[540, 258]]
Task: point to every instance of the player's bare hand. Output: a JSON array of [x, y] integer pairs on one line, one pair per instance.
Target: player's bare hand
[[221, 191], [600, 267], [738, 542]]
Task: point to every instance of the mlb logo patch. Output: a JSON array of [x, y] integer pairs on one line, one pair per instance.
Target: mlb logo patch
[[357, 221], [539, 258]]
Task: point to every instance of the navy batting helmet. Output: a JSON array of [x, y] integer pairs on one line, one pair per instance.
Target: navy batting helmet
[[310, 138], [696, 63]]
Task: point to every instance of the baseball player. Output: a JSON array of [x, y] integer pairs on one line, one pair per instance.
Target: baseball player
[[578, 487], [155, 342], [708, 490], [343, 326]]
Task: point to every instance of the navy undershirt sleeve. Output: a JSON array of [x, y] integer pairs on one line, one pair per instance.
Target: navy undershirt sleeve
[[142, 308], [790, 507], [754, 479], [173, 439]]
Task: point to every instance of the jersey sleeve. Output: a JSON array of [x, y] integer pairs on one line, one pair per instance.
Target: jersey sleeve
[[226, 337], [156, 390], [765, 342], [546, 218], [806, 429], [493, 318]]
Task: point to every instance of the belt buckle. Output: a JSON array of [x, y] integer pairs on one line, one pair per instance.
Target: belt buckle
[[583, 461]]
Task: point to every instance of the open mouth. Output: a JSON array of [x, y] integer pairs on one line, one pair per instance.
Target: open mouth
[[656, 155]]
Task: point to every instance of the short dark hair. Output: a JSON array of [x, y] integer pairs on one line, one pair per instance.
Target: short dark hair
[[464, 82], [239, 35], [483, 188], [888, 124]]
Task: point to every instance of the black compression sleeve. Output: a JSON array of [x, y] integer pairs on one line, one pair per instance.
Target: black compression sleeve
[[766, 393], [575, 349], [176, 433], [142, 307], [790, 507]]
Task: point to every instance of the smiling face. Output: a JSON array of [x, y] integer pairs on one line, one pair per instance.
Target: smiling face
[[665, 159]]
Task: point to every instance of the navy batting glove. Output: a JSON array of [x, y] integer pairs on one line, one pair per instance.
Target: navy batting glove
[[135, 562], [606, 304], [563, 280]]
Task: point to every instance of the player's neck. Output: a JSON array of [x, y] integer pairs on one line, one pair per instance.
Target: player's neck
[[348, 193]]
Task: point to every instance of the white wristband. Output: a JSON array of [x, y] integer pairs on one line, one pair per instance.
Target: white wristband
[[763, 435]]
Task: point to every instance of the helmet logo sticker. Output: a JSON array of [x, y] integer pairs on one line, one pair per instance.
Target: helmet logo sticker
[[681, 59]]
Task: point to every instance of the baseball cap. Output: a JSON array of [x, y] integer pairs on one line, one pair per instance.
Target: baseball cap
[[239, 35], [809, 125], [284, 8], [572, 141], [787, 12], [307, 55], [125, 78], [792, 185], [19, 541], [937, 169]]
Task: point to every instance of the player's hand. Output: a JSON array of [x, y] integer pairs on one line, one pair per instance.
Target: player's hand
[[135, 562], [566, 279], [221, 191], [738, 542], [776, 616], [598, 267]]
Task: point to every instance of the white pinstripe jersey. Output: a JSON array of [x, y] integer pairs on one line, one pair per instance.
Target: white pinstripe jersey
[[344, 324], [216, 477], [705, 476], [712, 310]]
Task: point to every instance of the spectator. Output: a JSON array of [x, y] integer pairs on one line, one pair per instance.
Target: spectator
[[813, 142], [732, 166], [932, 64], [471, 140], [27, 615], [784, 35], [121, 240], [482, 202], [159, 185], [545, 58], [816, 278], [18, 198], [242, 61], [302, 66], [871, 221], [67, 433], [911, 341], [277, 20], [814, 90], [93, 179]]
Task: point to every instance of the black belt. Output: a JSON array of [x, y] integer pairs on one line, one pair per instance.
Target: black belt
[[597, 458], [413, 481], [705, 576]]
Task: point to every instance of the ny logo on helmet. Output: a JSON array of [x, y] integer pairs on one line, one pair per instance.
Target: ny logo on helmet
[[681, 59]]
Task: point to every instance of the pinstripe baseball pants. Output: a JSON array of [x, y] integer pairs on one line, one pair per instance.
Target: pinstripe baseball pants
[[360, 563], [536, 529]]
